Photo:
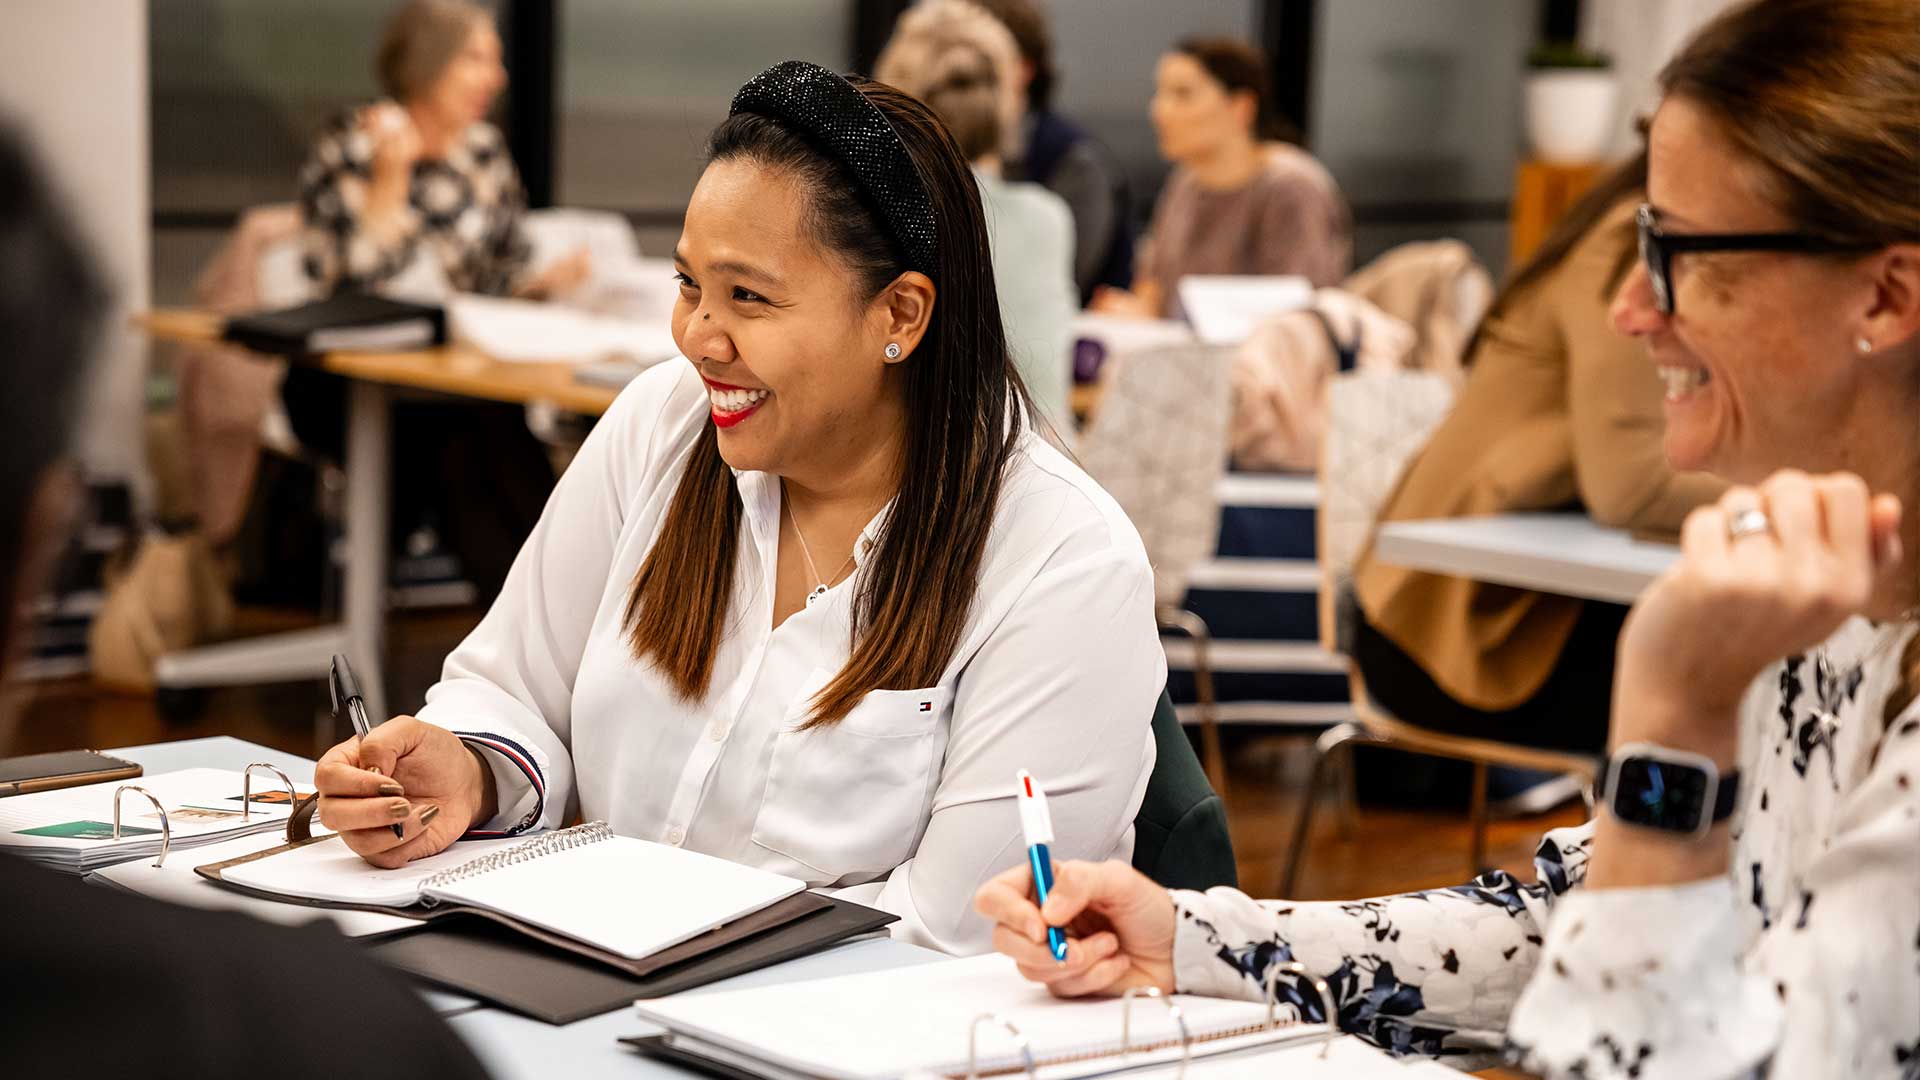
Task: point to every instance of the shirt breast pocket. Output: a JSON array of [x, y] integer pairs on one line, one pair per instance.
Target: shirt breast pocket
[[850, 798]]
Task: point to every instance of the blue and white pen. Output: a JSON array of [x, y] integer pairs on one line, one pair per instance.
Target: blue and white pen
[[1037, 824]]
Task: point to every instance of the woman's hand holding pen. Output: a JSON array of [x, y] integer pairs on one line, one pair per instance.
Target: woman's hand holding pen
[[1119, 923], [405, 791]]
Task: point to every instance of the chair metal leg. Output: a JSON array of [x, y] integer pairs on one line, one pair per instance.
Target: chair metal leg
[[1334, 740], [1212, 756], [1346, 794], [1477, 813]]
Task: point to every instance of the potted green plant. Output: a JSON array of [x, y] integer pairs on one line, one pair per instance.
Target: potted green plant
[[1571, 94]]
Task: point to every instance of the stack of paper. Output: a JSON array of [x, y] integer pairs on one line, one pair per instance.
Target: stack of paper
[[176, 881], [1224, 309], [921, 1019], [72, 829], [523, 331]]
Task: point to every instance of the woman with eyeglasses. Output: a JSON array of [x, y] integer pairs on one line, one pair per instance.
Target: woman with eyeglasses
[[1747, 901]]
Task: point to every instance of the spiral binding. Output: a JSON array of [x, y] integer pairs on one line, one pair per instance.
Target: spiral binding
[[546, 844]]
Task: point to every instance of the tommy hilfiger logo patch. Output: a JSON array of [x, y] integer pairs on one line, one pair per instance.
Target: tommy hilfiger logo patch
[[926, 706]]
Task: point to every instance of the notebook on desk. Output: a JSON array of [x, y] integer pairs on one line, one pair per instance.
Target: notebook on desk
[[347, 321], [490, 961], [954, 1018], [630, 904]]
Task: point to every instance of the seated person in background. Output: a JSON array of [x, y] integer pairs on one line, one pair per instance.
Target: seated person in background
[[1059, 154], [1557, 410], [1240, 200], [423, 173], [1767, 925], [423, 178], [958, 59], [97, 982], [810, 598]]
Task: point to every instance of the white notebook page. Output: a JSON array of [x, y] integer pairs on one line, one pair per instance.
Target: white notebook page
[[329, 870], [889, 1023], [626, 896], [176, 881]]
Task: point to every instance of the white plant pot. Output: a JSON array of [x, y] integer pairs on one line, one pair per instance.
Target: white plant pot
[[1570, 114]]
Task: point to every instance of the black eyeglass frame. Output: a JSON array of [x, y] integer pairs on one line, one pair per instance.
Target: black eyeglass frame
[[1657, 249]]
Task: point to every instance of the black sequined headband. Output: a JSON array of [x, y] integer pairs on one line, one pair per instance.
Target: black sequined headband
[[838, 119]]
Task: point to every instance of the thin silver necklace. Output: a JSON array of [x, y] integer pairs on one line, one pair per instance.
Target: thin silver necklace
[[820, 589]]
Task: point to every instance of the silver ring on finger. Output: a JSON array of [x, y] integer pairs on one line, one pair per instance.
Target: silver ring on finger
[[1749, 522]]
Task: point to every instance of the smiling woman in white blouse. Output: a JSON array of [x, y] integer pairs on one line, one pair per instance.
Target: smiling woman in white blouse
[[807, 599], [1747, 901]]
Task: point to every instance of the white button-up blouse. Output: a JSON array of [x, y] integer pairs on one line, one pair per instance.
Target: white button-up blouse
[[907, 803]]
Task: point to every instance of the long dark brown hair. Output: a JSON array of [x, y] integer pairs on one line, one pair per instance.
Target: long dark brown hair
[[1823, 98], [966, 407]]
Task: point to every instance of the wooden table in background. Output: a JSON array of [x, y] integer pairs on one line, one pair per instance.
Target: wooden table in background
[[448, 369], [1541, 193], [372, 378]]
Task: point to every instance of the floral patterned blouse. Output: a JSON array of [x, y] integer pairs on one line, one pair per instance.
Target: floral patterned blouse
[[1803, 962], [464, 210]]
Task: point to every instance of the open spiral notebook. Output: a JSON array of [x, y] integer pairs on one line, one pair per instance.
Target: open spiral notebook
[[626, 902], [924, 1020]]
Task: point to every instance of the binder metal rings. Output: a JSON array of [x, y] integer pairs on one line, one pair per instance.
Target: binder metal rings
[[1294, 967], [1179, 1017], [973, 1038], [166, 829], [246, 788]]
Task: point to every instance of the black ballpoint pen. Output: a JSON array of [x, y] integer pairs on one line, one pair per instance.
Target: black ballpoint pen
[[346, 696]]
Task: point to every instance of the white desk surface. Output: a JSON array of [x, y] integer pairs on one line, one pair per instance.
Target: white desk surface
[[513, 1046], [1557, 553], [216, 752]]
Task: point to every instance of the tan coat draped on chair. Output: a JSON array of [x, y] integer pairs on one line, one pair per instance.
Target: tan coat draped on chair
[[1557, 409]]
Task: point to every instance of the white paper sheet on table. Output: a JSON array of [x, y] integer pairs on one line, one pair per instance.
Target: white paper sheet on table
[[525, 331], [1224, 309]]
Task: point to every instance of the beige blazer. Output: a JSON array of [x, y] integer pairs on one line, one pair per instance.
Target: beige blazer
[[1556, 408]]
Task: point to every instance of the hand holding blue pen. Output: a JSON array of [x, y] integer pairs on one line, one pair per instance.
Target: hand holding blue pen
[[1037, 824]]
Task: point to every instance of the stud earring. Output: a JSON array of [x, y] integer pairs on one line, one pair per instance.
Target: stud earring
[[893, 350], [1863, 345]]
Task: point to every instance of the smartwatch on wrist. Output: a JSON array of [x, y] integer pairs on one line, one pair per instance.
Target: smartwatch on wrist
[[1653, 787]]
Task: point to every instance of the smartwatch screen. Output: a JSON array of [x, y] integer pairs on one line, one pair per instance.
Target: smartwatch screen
[[1660, 794]]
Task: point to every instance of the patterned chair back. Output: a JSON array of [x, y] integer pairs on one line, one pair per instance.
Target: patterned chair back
[[1376, 422], [1158, 444]]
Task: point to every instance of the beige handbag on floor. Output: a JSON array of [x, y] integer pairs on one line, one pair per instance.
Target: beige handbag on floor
[[168, 596]]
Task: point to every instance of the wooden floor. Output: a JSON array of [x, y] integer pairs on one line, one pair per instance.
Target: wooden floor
[[1388, 850]]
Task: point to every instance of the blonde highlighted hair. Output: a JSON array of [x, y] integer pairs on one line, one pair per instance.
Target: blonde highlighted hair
[[961, 61], [420, 40]]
